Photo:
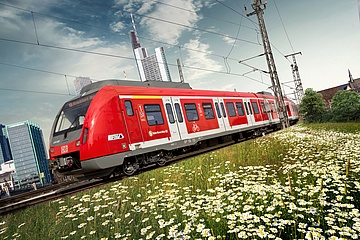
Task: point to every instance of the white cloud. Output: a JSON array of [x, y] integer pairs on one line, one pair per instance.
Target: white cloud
[[229, 40], [200, 60], [157, 18], [146, 7], [117, 26], [165, 31], [41, 108]]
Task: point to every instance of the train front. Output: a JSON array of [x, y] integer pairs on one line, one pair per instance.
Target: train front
[[66, 135]]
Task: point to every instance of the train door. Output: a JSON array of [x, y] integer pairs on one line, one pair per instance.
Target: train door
[[220, 116], [249, 112], [264, 112], [288, 108], [172, 119], [268, 109], [223, 114], [179, 117], [132, 121]]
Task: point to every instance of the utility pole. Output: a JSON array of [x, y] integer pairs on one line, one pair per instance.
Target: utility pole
[[259, 8], [299, 91]]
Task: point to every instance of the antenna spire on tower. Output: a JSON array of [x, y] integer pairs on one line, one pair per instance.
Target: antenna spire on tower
[[133, 34]]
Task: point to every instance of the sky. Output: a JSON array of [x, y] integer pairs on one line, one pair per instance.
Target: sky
[[46, 44]]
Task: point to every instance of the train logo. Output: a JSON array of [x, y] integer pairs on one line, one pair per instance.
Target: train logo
[[115, 136], [64, 149]]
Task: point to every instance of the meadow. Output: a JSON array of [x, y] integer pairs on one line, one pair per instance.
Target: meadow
[[298, 183]]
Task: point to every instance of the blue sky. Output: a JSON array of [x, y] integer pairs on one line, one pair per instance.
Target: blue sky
[[46, 58]]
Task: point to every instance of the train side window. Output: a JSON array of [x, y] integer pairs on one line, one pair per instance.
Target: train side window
[[170, 113], [263, 107], [240, 108], [287, 108], [153, 114], [191, 112], [246, 108], [129, 108], [255, 107], [178, 113], [250, 110], [223, 109], [218, 110], [231, 109], [208, 111]]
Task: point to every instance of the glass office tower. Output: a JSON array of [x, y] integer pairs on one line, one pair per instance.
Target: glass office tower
[[29, 154], [5, 154]]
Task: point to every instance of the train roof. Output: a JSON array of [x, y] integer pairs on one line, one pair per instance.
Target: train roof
[[93, 87], [153, 91], [160, 88]]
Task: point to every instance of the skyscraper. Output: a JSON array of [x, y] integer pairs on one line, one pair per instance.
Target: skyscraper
[[5, 154], [151, 68], [29, 154]]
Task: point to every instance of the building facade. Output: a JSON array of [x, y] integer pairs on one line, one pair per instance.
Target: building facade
[[6, 176], [5, 154], [29, 154], [153, 67]]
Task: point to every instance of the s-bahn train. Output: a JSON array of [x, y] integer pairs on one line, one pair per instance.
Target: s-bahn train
[[112, 128]]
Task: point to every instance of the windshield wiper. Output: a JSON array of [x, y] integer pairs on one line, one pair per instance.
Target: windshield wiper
[[67, 130]]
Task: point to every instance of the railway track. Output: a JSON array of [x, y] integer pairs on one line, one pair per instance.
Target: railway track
[[21, 201]]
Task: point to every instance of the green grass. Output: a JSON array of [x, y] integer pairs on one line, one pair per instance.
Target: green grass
[[299, 183], [351, 127]]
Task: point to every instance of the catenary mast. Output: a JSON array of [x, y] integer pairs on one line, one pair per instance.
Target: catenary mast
[[259, 8], [299, 91]]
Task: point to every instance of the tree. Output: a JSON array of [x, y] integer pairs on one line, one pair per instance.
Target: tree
[[312, 106], [346, 106]]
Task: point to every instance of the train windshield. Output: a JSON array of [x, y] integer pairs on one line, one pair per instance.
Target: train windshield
[[72, 115]]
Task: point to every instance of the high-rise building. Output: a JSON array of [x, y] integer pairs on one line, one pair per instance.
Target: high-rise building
[[5, 154], [162, 63], [151, 68], [29, 154]]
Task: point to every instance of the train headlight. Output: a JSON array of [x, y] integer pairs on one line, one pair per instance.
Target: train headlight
[[77, 143], [52, 150]]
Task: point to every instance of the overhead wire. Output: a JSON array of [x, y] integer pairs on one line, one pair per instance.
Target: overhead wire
[[106, 29], [107, 55], [115, 56], [31, 91], [232, 47], [34, 69], [175, 23], [191, 11], [232, 9], [282, 23]]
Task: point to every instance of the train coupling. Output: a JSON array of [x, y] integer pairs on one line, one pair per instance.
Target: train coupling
[[63, 163]]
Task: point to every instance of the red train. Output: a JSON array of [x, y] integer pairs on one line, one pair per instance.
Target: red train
[[120, 129]]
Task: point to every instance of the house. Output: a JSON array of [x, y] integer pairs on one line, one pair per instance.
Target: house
[[328, 94]]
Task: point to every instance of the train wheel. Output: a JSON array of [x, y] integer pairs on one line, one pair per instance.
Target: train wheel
[[129, 168], [161, 162]]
